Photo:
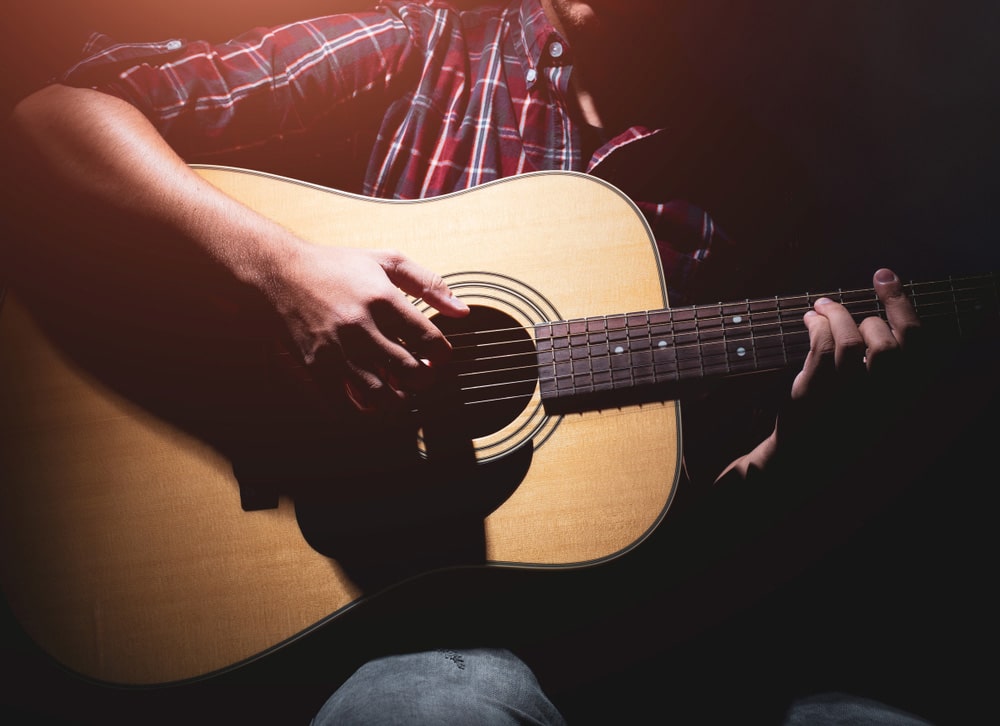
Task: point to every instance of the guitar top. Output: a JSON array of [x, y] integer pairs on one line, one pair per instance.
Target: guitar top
[[172, 509], [138, 550]]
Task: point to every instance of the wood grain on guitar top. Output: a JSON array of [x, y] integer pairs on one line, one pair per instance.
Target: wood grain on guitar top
[[124, 548]]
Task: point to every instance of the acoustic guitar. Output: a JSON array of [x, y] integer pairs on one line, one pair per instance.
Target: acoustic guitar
[[136, 551]]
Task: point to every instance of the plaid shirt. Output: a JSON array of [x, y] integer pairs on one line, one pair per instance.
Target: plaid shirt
[[459, 98]]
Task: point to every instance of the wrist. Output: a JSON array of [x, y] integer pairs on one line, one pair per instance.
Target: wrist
[[753, 463]]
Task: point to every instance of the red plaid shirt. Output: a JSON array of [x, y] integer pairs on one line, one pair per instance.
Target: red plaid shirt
[[459, 98]]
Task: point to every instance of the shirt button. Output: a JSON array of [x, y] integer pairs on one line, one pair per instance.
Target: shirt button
[[173, 45], [556, 49], [532, 75]]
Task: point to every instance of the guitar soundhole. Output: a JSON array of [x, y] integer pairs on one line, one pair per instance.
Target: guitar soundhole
[[493, 368]]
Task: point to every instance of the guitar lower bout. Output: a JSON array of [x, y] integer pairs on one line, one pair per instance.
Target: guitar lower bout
[[126, 553]]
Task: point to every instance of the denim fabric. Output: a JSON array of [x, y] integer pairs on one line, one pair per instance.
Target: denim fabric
[[480, 687], [493, 687], [839, 709]]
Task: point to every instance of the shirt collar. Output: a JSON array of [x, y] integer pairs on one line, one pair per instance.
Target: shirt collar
[[537, 34], [537, 37]]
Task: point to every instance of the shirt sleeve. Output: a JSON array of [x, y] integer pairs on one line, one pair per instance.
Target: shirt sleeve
[[269, 83], [700, 261]]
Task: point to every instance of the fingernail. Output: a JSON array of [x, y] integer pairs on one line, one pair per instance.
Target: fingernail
[[884, 277], [458, 302], [824, 301]]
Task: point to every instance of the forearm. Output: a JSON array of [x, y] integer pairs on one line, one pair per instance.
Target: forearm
[[103, 154], [188, 245]]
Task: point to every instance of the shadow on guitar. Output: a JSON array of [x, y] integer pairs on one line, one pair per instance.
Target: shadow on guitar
[[364, 494]]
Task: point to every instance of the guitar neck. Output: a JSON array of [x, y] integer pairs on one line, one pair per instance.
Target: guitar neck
[[643, 356]]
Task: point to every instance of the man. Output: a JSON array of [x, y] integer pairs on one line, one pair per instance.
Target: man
[[460, 98]]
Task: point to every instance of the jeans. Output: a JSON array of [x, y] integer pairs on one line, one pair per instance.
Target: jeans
[[841, 709], [479, 687], [493, 687]]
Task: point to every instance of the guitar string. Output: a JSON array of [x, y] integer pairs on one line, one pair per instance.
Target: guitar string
[[707, 321], [787, 319], [685, 369], [732, 332]]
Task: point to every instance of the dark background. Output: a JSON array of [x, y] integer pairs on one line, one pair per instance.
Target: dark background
[[895, 107]]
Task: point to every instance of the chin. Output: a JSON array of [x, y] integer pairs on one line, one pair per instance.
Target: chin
[[574, 14]]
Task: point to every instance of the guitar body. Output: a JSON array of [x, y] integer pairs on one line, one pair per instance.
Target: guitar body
[[125, 548]]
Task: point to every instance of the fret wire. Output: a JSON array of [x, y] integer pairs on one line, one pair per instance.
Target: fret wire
[[700, 348], [781, 331], [653, 323], [753, 339], [725, 343], [707, 339]]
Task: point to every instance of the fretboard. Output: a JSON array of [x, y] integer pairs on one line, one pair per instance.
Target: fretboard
[[644, 356]]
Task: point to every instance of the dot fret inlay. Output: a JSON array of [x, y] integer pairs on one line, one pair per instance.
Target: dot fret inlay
[[649, 349]]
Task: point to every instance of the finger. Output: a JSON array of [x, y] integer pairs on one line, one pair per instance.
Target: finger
[[849, 344], [370, 391], [899, 310], [405, 336], [420, 282], [422, 338], [319, 384], [819, 366], [406, 372], [881, 343], [378, 358]]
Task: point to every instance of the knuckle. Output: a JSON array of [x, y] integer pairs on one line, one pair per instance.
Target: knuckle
[[853, 345], [823, 349], [870, 327], [367, 380], [392, 259], [352, 319], [434, 283], [880, 347], [430, 337], [852, 340], [409, 364]]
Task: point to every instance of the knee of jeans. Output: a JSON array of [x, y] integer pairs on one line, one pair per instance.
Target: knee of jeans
[[831, 709], [474, 686]]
